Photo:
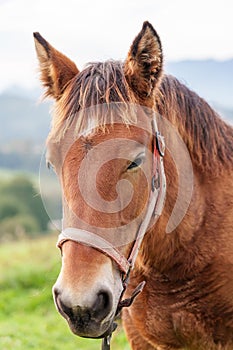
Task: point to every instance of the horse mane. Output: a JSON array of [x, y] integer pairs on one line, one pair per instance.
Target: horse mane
[[208, 138], [100, 83]]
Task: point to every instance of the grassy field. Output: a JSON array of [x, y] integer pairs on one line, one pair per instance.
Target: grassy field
[[28, 319]]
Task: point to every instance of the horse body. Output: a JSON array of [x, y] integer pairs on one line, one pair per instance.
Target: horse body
[[187, 302]]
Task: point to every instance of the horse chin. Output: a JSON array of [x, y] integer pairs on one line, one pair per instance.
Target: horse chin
[[94, 331]]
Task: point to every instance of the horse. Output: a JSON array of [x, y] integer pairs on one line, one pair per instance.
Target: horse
[[178, 282]]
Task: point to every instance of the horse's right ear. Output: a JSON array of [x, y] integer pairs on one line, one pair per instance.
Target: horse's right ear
[[56, 69], [143, 66]]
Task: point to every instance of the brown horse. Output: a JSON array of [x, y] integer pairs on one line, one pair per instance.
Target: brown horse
[[187, 301]]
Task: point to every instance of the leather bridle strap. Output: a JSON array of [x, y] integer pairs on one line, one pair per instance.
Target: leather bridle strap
[[142, 229], [157, 195], [94, 241]]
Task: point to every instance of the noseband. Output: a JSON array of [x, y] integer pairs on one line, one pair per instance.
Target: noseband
[[154, 209]]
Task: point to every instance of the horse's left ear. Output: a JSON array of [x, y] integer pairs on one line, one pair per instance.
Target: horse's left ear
[[143, 66], [56, 69]]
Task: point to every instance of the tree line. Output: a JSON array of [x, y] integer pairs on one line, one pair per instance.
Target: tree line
[[21, 209]]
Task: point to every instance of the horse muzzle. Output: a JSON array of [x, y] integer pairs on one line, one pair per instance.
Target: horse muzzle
[[92, 321]]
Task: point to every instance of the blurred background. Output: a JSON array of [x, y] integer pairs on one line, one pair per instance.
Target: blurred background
[[198, 49]]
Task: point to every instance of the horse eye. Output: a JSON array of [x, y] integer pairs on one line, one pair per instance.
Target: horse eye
[[135, 164]]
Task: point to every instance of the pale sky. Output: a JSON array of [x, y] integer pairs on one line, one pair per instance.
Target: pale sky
[[89, 30]]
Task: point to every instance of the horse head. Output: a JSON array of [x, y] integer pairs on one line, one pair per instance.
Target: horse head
[[107, 153]]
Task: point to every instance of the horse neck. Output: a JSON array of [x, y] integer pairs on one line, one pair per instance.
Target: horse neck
[[191, 245]]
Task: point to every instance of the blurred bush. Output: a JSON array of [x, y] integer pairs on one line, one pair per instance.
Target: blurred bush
[[21, 209]]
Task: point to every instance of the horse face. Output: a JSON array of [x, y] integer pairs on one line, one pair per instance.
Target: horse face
[[89, 286]]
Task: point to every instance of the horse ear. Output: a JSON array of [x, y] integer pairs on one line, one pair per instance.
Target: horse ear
[[143, 66], [56, 69]]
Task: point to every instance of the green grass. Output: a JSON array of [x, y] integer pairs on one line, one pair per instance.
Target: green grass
[[28, 319]]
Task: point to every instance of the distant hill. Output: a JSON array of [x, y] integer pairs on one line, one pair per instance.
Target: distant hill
[[21, 118]]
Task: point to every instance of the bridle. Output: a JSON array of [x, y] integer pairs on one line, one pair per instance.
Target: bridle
[[154, 210]]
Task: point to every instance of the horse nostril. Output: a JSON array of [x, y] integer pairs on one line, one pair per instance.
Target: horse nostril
[[103, 304], [64, 310], [55, 293], [67, 311]]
